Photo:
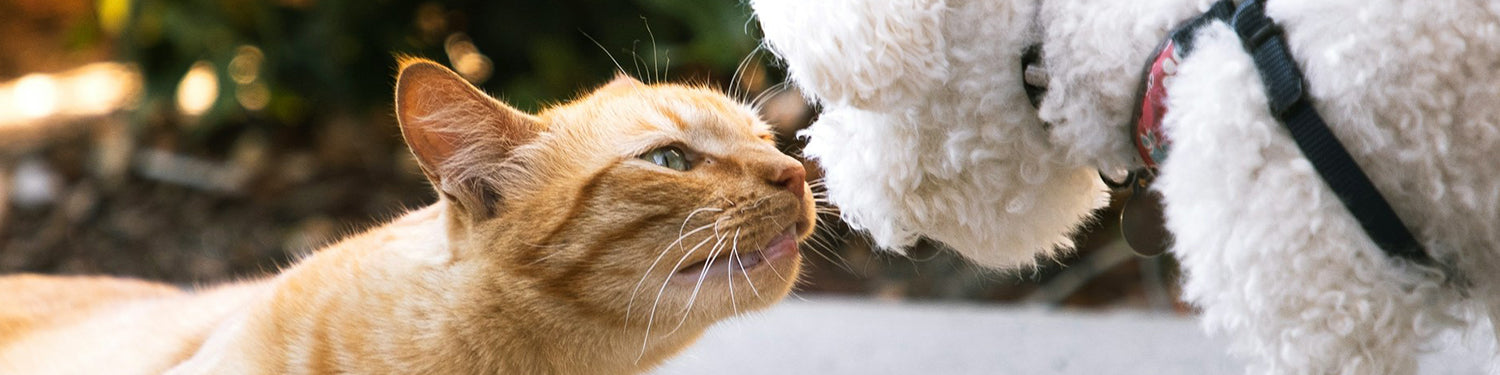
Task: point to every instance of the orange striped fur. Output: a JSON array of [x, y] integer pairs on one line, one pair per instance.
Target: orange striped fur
[[554, 248]]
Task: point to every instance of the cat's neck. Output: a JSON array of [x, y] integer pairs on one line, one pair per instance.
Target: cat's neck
[[396, 298]]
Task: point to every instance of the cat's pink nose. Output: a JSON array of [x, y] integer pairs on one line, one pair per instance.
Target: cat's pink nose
[[792, 177]]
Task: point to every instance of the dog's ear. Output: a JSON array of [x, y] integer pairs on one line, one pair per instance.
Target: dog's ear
[[866, 54]]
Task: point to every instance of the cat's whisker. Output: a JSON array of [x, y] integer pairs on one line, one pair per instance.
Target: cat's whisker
[[776, 272], [654, 66], [735, 88], [823, 239], [819, 221], [677, 242], [635, 58], [825, 257], [734, 79], [760, 99], [757, 202], [797, 296], [743, 272], [654, 263], [686, 254], [713, 254], [606, 50], [695, 212], [651, 320], [774, 220], [544, 258], [816, 241], [716, 226], [729, 271], [640, 62], [813, 245]]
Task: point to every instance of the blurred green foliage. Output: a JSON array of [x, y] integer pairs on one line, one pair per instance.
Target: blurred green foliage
[[337, 55]]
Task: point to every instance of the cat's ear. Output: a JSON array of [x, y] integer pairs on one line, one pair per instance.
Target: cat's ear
[[459, 135]]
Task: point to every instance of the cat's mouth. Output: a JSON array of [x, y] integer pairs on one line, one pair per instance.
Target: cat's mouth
[[782, 246]]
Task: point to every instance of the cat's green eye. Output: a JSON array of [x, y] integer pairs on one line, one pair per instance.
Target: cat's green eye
[[669, 156]]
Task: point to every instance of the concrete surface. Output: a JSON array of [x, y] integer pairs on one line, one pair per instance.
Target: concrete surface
[[842, 336]]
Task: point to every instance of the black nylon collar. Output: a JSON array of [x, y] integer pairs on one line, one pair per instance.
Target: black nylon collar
[[1288, 101]]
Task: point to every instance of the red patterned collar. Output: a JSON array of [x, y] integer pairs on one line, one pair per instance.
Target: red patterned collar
[[1151, 141]]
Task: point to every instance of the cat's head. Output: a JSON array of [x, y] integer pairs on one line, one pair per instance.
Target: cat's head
[[627, 205]]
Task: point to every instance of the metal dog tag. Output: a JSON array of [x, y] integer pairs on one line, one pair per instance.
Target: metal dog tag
[[1142, 223]]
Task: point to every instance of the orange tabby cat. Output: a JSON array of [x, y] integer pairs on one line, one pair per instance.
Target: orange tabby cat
[[598, 237]]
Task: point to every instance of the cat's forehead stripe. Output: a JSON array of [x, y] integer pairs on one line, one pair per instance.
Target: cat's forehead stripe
[[673, 118], [697, 118], [707, 125], [698, 113]]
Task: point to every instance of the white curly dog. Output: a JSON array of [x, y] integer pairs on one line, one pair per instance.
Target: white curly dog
[[927, 131]]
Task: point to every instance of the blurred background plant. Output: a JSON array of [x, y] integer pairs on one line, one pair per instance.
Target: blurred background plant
[[196, 141]]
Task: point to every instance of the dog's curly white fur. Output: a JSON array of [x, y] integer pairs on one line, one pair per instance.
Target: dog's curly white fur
[[889, 166], [926, 131]]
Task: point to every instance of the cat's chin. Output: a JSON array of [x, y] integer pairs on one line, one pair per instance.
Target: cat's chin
[[780, 248]]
